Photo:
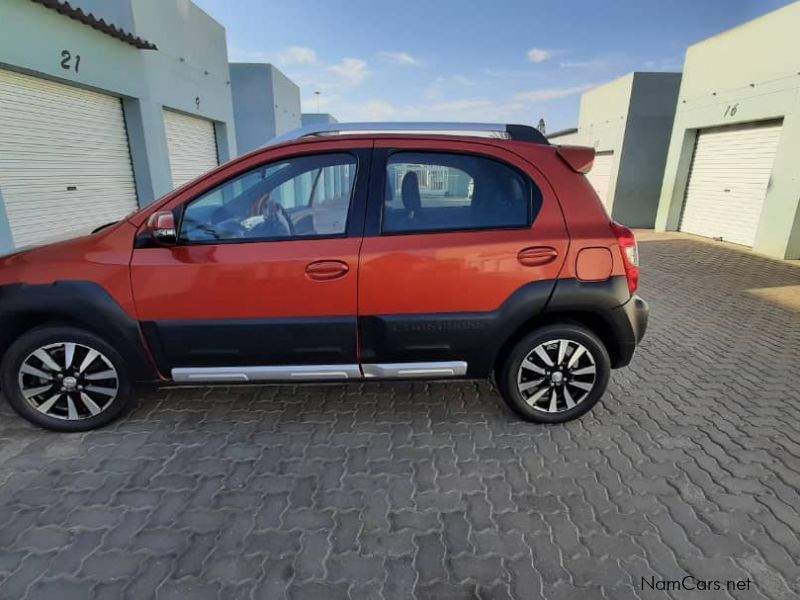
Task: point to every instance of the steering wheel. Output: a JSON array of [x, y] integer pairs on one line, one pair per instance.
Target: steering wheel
[[271, 209], [282, 212]]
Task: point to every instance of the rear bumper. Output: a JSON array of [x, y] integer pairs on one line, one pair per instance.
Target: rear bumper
[[630, 322]]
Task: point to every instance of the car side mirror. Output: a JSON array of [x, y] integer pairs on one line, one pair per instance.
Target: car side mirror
[[161, 225]]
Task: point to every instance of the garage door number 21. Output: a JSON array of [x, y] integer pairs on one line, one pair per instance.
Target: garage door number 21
[[68, 63]]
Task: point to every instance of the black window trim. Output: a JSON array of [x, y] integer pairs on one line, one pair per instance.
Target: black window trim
[[356, 208], [381, 157]]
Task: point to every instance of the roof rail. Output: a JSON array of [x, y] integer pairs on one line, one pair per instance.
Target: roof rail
[[524, 133]]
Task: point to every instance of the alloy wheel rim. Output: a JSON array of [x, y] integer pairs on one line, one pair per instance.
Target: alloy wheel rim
[[68, 381], [556, 376]]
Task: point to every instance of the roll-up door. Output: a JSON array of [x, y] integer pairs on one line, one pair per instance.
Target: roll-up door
[[728, 181], [65, 165], [600, 175], [192, 146]]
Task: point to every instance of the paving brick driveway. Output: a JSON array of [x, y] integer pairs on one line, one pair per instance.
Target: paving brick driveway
[[690, 466]]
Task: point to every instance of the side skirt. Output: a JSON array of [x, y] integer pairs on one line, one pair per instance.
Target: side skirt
[[320, 372], [455, 368]]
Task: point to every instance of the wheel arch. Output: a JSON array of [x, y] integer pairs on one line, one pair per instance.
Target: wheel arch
[[18, 324], [597, 306], [592, 321], [81, 304]]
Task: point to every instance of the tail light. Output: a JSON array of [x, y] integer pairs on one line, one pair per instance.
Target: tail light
[[630, 254]]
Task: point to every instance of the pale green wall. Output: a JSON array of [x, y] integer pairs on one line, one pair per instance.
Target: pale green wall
[[188, 73], [603, 111], [266, 103], [755, 67], [190, 64], [601, 119], [631, 117], [601, 123]]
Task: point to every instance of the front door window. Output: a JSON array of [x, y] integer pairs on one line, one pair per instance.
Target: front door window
[[305, 197]]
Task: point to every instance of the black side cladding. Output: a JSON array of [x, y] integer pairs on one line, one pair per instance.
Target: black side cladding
[[473, 337], [478, 337], [84, 303], [252, 342]]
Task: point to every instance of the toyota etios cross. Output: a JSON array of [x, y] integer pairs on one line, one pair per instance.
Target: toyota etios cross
[[347, 252]]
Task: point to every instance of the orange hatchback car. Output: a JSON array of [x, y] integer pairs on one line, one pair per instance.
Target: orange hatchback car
[[342, 252]]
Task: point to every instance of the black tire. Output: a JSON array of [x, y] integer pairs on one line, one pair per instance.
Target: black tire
[[41, 337], [508, 373]]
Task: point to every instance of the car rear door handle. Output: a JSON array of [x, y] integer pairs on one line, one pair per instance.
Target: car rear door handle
[[537, 256], [325, 270]]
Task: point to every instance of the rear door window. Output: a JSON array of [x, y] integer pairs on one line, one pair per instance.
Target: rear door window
[[427, 191]]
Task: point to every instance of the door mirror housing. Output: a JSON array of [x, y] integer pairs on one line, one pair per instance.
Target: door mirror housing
[[161, 226]]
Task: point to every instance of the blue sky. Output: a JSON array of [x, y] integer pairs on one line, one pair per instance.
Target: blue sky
[[480, 60]]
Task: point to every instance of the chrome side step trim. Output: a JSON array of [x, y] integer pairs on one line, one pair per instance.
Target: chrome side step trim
[[287, 373], [453, 368]]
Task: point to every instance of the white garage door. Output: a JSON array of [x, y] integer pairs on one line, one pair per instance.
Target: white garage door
[[728, 181], [192, 146], [600, 175], [65, 166]]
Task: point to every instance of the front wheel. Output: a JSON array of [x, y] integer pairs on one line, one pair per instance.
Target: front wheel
[[65, 378], [555, 374]]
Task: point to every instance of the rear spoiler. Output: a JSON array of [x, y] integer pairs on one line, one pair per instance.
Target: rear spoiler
[[579, 158]]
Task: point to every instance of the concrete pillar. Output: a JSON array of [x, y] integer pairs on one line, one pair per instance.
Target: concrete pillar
[[777, 234], [226, 146], [6, 240], [676, 176], [793, 246], [148, 144]]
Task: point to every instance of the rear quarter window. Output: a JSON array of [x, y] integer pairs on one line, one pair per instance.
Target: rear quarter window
[[432, 191]]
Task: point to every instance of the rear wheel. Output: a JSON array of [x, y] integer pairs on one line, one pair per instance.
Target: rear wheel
[[555, 374], [65, 378]]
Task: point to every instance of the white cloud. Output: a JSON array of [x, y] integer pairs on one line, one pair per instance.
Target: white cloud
[[442, 85], [457, 109], [596, 62], [297, 55], [400, 58], [539, 55], [353, 69], [375, 110], [552, 93], [460, 105], [665, 64], [502, 73], [321, 103]]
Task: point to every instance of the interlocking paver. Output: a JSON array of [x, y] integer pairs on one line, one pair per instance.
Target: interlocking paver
[[690, 465]]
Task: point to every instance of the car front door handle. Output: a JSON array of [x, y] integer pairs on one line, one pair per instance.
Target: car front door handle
[[537, 256], [326, 270]]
